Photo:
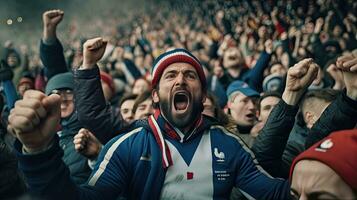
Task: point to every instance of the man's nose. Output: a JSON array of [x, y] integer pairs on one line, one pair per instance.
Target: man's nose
[[180, 79], [251, 105]]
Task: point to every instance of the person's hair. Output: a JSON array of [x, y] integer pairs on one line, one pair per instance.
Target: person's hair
[[141, 98], [268, 94], [314, 97], [219, 114], [126, 97], [274, 63]]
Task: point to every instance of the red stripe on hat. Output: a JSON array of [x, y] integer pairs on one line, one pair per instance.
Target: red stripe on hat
[[176, 59]]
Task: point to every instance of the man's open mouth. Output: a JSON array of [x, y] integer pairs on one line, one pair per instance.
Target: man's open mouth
[[250, 116], [181, 101]]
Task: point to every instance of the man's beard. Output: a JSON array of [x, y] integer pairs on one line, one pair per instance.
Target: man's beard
[[181, 122]]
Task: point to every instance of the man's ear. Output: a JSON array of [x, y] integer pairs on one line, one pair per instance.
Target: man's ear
[[309, 119], [155, 96]]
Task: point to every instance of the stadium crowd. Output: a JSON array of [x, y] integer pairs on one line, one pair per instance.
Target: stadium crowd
[[118, 116]]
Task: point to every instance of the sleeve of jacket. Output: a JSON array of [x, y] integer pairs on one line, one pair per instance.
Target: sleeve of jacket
[[94, 113], [48, 176], [271, 141], [254, 77], [255, 183], [340, 114], [10, 93], [52, 58]]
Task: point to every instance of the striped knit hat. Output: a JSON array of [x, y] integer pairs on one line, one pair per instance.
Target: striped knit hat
[[175, 56]]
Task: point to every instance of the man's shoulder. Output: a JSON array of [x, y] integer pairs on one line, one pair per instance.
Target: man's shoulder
[[137, 129], [219, 132]]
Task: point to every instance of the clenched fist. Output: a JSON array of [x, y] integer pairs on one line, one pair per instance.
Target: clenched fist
[[348, 65], [34, 119], [299, 78], [50, 20], [93, 51], [87, 144]]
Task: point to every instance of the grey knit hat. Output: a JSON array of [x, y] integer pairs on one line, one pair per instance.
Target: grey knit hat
[[60, 81]]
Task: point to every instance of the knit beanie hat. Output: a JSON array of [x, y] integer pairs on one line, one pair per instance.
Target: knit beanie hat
[[338, 151], [175, 56], [60, 81], [106, 78], [273, 83]]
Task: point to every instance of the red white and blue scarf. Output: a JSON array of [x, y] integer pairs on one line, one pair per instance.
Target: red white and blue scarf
[[161, 128]]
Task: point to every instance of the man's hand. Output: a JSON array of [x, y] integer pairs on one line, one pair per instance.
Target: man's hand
[[50, 20], [87, 144], [93, 51], [298, 79], [348, 65], [337, 75], [34, 120]]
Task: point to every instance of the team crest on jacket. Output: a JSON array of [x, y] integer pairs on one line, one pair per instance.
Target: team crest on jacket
[[219, 155]]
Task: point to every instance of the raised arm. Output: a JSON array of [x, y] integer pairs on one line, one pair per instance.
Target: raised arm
[[51, 50], [94, 113], [271, 141]]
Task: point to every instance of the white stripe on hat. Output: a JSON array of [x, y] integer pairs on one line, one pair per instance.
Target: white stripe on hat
[[180, 53]]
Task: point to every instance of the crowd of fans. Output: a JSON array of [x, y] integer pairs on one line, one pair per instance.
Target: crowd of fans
[[246, 49]]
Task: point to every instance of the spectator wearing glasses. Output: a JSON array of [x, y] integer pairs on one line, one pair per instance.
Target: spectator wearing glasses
[[63, 84]]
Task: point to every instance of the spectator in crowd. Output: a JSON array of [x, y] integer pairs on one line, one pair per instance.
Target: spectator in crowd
[[242, 105], [265, 105], [62, 84], [126, 106], [143, 107], [327, 169], [271, 147], [140, 86]]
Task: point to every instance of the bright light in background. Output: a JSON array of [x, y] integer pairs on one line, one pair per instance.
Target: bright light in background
[[19, 19], [9, 21]]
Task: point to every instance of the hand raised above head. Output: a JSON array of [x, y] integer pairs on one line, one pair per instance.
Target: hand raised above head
[[299, 78], [52, 18], [348, 65], [93, 51]]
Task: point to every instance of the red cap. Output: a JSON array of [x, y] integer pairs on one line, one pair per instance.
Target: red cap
[[338, 151]]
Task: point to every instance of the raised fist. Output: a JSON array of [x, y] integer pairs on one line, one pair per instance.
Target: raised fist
[[93, 51], [301, 75], [299, 78], [52, 18], [34, 120], [348, 65]]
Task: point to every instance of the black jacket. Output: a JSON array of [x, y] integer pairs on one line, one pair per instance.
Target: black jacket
[[339, 115], [11, 181], [94, 113], [273, 151], [77, 164], [270, 143]]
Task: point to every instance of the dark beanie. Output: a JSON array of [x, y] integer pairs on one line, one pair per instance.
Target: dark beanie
[[60, 81]]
